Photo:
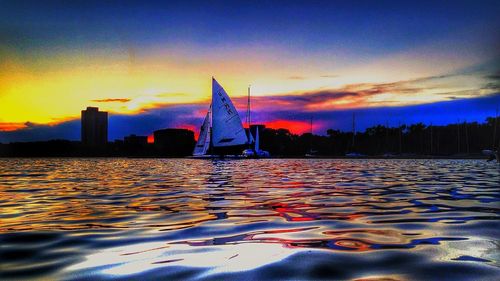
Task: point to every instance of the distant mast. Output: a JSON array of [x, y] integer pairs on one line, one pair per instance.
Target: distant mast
[[249, 120], [248, 108], [311, 151], [401, 138], [311, 125], [495, 131], [353, 128], [311, 139]]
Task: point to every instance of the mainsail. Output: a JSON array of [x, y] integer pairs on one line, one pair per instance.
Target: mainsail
[[227, 129], [203, 142]]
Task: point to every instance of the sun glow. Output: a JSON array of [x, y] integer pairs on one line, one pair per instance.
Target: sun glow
[[57, 87], [139, 258]]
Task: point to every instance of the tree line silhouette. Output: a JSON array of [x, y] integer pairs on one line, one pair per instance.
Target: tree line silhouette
[[415, 140]]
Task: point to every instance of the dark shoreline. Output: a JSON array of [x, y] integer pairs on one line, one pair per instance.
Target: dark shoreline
[[428, 157]]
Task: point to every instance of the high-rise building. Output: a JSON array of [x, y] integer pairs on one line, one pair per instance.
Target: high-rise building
[[94, 127]]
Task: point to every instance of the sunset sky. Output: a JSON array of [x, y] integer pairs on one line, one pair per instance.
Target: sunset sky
[[150, 65]]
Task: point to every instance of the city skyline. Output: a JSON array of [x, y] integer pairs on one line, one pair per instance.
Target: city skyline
[[149, 65]]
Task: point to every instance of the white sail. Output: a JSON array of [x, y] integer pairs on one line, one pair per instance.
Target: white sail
[[227, 129], [203, 142]]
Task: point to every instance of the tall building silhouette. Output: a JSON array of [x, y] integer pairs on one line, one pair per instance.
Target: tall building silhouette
[[94, 127]]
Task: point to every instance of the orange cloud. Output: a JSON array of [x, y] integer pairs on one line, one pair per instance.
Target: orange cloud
[[112, 100], [363, 95], [7, 127]]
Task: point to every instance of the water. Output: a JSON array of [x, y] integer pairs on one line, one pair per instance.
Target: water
[[79, 219]]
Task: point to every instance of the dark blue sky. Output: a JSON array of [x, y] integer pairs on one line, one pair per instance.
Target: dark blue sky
[[375, 27], [389, 61]]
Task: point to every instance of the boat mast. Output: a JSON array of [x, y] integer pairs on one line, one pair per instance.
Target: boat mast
[[248, 108], [458, 136], [495, 130], [210, 117], [248, 120], [432, 137], [210, 144], [311, 137], [311, 125], [400, 138], [353, 128], [466, 137], [386, 142]]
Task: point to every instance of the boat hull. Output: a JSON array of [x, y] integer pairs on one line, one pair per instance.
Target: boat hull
[[218, 157]]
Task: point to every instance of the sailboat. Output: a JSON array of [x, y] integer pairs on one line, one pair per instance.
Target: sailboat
[[203, 143], [222, 132], [353, 154], [256, 152]]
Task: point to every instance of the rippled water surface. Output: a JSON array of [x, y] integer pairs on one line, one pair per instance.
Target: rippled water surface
[[79, 219]]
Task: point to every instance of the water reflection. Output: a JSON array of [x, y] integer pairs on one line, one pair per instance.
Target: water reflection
[[181, 219]]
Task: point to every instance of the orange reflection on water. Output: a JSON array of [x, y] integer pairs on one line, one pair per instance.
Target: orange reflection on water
[[126, 216]]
